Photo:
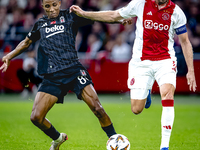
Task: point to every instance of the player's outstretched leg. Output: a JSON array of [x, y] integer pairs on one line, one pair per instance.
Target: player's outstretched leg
[[91, 99], [56, 143], [148, 102]]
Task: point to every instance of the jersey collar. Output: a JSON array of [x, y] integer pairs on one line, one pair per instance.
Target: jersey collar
[[169, 4]]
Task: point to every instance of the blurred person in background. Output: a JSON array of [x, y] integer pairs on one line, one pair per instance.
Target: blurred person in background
[[94, 44], [11, 6], [3, 22], [81, 3], [28, 22], [112, 5], [33, 7], [129, 33], [153, 56], [193, 17], [28, 74], [100, 29], [93, 5], [195, 38], [121, 51], [15, 29], [3, 26], [66, 4], [113, 30]]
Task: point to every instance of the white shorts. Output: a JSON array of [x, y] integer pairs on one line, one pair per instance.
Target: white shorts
[[142, 75]]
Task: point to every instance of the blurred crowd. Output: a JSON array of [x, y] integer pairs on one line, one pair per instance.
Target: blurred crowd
[[98, 41]]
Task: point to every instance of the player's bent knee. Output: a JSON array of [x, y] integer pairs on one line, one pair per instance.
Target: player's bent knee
[[36, 119], [136, 110]]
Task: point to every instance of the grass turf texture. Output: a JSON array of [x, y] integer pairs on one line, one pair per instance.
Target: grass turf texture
[[84, 131]]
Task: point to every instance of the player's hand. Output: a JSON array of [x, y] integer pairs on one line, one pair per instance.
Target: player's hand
[[191, 81], [77, 10], [127, 21], [6, 63]]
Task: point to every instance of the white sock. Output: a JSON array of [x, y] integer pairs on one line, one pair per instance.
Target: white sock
[[167, 121]]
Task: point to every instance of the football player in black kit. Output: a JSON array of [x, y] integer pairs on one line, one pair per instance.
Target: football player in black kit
[[59, 65]]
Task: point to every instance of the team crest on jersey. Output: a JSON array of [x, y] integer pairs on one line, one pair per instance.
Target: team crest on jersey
[[165, 16], [62, 19], [83, 73], [132, 81]]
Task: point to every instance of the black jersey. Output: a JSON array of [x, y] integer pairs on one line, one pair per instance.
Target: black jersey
[[57, 37]]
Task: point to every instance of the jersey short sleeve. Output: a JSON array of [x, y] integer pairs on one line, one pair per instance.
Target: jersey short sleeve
[[130, 10], [80, 21], [34, 34], [180, 18]]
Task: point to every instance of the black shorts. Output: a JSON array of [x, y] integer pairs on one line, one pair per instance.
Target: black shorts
[[60, 83]]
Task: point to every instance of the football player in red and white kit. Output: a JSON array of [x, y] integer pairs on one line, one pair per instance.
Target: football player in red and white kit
[[153, 53]]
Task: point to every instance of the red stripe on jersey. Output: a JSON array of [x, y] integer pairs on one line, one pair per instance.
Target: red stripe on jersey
[[156, 24], [168, 103]]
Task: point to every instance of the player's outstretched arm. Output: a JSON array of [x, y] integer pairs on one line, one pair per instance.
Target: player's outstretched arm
[[21, 47], [103, 16], [188, 54]]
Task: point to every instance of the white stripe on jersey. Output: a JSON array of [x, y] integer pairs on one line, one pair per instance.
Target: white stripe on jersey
[[54, 33]]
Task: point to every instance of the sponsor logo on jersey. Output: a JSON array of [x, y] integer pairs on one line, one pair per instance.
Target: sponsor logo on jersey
[[44, 25], [62, 19], [149, 24], [149, 13], [53, 22], [55, 29]]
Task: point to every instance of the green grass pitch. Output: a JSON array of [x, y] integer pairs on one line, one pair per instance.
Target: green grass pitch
[[84, 131]]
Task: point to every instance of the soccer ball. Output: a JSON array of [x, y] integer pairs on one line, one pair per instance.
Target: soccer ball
[[118, 142]]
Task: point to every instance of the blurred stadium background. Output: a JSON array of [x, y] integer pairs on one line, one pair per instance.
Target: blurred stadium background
[[104, 49]]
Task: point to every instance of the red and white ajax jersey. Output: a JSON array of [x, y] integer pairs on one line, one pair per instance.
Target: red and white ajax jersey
[[155, 28]]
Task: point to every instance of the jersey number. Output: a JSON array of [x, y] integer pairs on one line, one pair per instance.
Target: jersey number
[[82, 79]]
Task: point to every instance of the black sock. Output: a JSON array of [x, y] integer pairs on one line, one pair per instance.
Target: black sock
[[109, 130], [52, 133]]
